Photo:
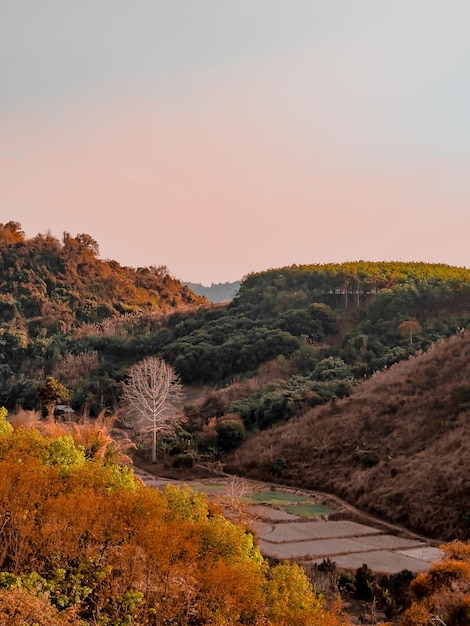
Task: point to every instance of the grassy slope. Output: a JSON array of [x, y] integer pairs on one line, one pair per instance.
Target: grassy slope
[[398, 447]]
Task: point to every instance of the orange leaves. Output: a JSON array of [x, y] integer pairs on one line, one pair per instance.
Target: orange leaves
[[230, 593], [104, 551], [18, 607], [443, 592], [457, 550]]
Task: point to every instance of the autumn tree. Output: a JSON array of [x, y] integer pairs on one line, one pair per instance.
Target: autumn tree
[[86, 543], [152, 395], [51, 393], [11, 232], [442, 594], [5, 426], [408, 328]]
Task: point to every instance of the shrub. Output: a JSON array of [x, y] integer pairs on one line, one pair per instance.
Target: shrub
[[5, 427], [230, 433]]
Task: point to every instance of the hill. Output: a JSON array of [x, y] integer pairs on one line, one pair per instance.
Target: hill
[[52, 286], [293, 340], [397, 447], [316, 328]]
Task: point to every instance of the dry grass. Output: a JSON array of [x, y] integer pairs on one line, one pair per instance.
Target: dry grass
[[272, 371], [398, 447], [96, 436], [25, 419]]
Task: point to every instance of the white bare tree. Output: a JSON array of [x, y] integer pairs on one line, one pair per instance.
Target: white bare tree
[[153, 392]]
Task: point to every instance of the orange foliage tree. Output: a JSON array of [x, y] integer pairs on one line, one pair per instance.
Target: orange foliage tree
[[82, 542], [442, 594]]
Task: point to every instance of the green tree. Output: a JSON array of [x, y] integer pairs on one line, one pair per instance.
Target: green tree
[[230, 433]]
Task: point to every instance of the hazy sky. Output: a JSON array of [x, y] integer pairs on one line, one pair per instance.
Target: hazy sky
[[220, 137]]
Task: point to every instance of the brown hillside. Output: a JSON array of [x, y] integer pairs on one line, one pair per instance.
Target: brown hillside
[[398, 447]]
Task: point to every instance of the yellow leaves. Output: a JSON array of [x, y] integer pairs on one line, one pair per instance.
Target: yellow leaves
[[184, 503], [64, 453], [183, 562], [221, 537], [5, 427], [290, 596]]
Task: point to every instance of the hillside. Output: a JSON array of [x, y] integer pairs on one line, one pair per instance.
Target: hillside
[[53, 286], [316, 328], [397, 447]]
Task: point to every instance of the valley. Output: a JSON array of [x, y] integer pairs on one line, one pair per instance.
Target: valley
[[341, 534]]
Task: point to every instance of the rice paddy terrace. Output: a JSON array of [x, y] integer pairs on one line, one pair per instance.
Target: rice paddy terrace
[[308, 527]]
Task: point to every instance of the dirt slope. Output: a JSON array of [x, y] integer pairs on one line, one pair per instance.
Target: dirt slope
[[398, 447]]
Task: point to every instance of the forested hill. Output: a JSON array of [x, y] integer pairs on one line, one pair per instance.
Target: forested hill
[[319, 328], [51, 285], [413, 289]]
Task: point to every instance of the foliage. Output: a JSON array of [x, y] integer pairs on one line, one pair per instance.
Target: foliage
[[62, 451], [52, 392], [292, 601], [230, 433], [76, 551], [278, 402], [442, 594], [66, 283], [5, 427]]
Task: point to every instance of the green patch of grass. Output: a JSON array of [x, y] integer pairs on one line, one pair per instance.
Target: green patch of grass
[[308, 510]]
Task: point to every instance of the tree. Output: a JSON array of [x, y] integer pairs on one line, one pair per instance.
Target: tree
[[5, 427], [408, 328], [153, 393], [230, 432], [51, 393]]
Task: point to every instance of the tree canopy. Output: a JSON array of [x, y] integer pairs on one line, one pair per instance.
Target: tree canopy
[[85, 543]]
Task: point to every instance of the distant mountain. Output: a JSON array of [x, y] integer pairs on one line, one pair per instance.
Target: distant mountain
[[217, 292]]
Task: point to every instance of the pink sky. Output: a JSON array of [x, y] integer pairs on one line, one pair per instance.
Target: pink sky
[[265, 161]]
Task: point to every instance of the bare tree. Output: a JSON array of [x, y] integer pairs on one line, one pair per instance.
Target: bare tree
[[153, 393]]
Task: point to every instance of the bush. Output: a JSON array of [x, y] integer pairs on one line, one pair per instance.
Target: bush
[[230, 433], [278, 466], [5, 427]]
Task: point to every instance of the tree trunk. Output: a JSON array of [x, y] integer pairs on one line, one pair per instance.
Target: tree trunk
[[154, 445]]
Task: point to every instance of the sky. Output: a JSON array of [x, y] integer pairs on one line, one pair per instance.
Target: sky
[[222, 137]]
